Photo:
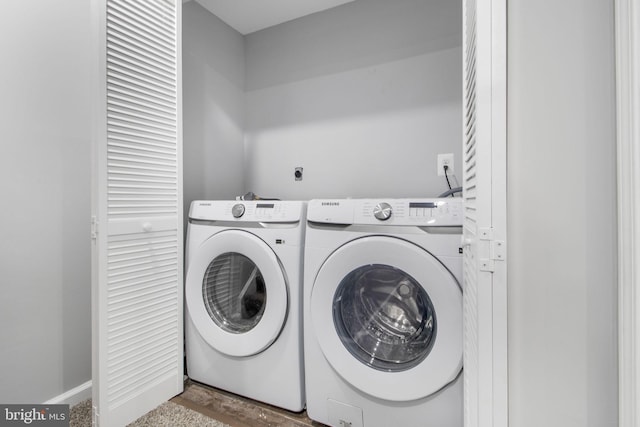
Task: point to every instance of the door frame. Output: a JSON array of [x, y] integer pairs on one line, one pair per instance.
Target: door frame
[[486, 374], [627, 49]]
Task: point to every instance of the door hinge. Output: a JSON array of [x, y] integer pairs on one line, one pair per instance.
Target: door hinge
[[95, 417], [94, 227], [497, 250]]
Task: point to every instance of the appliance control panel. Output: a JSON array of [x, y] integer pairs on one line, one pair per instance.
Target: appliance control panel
[[439, 212], [246, 210]]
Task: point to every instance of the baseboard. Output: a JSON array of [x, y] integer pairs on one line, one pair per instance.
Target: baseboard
[[73, 396]]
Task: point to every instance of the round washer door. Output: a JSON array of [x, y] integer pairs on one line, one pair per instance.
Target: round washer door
[[236, 293], [388, 317]]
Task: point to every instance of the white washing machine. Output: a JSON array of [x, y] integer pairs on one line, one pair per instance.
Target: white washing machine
[[383, 312], [243, 293]]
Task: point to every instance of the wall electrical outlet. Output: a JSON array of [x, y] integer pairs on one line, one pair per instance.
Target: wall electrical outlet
[[445, 160]]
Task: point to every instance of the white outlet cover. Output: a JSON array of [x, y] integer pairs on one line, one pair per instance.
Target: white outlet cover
[[445, 159]]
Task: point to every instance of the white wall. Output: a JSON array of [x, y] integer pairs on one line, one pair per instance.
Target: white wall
[[45, 123], [562, 214], [362, 96], [213, 106]]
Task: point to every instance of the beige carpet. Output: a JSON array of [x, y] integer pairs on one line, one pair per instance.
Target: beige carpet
[[168, 414]]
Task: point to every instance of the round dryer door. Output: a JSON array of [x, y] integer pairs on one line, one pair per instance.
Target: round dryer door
[[388, 317], [236, 293]]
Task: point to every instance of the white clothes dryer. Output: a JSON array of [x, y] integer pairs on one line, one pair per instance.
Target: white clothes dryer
[[243, 294], [383, 312]]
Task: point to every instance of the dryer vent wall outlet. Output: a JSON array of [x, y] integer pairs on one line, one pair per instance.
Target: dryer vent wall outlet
[[297, 174]]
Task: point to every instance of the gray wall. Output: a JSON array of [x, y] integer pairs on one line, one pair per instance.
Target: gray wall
[[362, 96], [213, 106], [45, 171], [562, 214]]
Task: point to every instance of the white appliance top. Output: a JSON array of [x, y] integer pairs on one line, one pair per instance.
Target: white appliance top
[[247, 211], [439, 212]]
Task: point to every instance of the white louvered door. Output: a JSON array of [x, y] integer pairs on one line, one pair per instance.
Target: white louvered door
[[137, 230], [484, 192]]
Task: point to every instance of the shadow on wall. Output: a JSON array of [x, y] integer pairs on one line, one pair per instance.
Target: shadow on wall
[[213, 106], [76, 264], [356, 35]]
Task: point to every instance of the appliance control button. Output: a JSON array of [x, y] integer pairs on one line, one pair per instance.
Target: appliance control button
[[382, 211], [237, 210]]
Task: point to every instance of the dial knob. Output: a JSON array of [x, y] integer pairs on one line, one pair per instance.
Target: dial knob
[[382, 211], [237, 210]]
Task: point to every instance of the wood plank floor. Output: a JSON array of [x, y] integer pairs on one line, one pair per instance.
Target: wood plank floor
[[238, 411]]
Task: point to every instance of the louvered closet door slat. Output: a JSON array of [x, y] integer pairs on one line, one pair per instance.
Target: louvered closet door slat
[[121, 11], [147, 153], [155, 60], [138, 115], [132, 98], [470, 296], [140, 211], [139, 90], [140, 78], [119, 27], [139, 42], [154, 13], [118, 102], [142, 64]]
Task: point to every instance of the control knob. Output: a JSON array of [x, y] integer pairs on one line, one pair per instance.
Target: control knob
[[382, 211], [237, 210]]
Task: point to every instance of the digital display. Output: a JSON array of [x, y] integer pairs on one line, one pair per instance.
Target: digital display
[[265, 205], [428, 205]]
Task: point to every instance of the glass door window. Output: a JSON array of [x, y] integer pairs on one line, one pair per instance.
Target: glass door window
[[234, 292], [384, 317]]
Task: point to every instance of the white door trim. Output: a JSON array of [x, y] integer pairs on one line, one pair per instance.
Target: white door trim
[[627, 24], [500, 380], [485, 227]]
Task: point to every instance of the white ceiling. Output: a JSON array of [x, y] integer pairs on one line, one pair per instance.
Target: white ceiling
[[247, 16]]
